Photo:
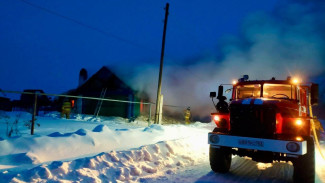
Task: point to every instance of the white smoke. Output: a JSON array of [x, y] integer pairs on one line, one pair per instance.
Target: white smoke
[[288, 42]]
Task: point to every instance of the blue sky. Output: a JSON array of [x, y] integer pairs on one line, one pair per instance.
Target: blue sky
[[44, 47]]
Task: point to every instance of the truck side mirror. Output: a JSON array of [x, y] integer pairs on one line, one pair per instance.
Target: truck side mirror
[[220, 91], [213, 94], [314, 94]]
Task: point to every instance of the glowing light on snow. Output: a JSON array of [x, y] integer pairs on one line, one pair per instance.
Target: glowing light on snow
[[200, 148], [320, 163], [264, 166]]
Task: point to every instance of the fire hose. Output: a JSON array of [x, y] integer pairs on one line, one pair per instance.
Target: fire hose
[[313, 127]]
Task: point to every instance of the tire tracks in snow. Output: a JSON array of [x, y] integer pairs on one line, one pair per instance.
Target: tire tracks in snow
[[242, 170]]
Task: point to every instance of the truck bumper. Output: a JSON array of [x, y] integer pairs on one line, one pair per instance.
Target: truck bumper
[[293, 147]]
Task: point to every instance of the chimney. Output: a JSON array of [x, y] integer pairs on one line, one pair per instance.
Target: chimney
[[83, 76]]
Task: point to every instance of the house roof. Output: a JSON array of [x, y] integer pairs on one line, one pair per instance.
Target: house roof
[[104, 78]]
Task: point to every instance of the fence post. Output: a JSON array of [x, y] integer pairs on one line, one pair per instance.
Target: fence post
[[34, 114], [149, 120]]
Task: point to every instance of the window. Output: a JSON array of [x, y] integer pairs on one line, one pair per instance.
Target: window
[[283, 91], [248, 91]]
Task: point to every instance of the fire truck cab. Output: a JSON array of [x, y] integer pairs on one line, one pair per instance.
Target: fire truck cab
[[266, 120]]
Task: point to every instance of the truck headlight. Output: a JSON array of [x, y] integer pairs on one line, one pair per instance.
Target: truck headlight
[[216, 118], [298, 122], [299, 138]]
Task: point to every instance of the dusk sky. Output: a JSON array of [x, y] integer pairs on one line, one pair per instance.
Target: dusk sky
[[44, 43]]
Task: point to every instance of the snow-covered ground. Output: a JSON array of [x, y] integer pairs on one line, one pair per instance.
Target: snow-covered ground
[[87, 149]]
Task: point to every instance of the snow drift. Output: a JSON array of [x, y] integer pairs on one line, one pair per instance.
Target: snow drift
[[136, 164], [87, 149]]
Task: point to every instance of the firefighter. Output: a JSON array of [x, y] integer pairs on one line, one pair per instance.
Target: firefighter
[[187, 115], [66, 109], [222, 105], [318, 128]]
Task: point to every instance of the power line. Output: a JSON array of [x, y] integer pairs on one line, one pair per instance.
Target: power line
[[85, 25], [85, 97]]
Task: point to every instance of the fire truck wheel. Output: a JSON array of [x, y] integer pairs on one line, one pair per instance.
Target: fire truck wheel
[[304, 166], [220, 159]]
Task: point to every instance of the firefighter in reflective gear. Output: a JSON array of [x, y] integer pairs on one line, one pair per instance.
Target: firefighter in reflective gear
[[318, 127], [66, 109], [187, 115]]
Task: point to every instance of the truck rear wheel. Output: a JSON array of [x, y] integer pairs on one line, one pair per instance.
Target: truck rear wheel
[[220, 159], [304, 166]]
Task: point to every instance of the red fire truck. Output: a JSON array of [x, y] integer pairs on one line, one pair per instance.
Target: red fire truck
[[266, 120]]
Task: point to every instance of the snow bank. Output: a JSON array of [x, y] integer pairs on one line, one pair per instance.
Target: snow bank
[[85, 149], [139, 164], [83, 142], [61, 139]]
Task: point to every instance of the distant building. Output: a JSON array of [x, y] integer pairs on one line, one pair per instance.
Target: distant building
[[105, 84], [5, 104], [26, 102]]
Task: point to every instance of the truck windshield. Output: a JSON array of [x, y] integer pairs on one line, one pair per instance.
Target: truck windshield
[[248, 91], [284, 91]]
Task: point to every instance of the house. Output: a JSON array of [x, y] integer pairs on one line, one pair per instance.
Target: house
[[105, 84], [26, 102], [5, 104]]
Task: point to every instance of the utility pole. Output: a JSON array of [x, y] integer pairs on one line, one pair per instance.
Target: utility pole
[[158, 108], [34, 114]]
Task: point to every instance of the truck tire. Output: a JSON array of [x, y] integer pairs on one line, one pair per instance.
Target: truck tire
[[304, 166], [220, 159]]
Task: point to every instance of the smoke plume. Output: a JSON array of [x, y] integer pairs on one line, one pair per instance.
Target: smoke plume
[[287, 42]]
